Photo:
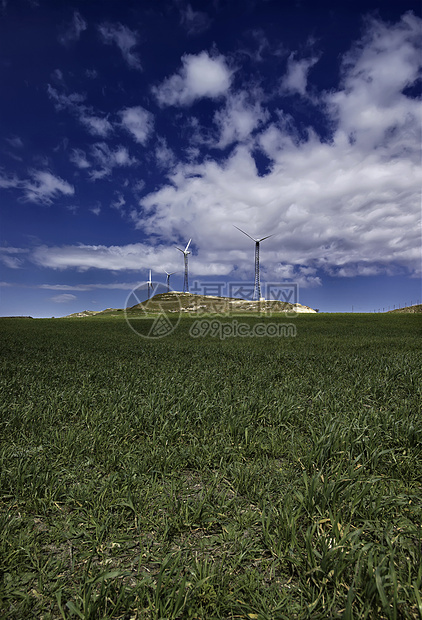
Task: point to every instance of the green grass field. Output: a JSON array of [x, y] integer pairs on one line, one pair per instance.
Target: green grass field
[[255, 478]]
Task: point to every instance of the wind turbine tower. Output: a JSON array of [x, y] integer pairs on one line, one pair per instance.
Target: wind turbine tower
[[185, 253], [257, 283], [168, 279], [149, 284]]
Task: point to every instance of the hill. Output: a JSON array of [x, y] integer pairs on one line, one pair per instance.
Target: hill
[[408, 310], [190, 303]]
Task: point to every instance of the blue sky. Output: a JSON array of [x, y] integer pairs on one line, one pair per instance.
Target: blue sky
[[129, 127]]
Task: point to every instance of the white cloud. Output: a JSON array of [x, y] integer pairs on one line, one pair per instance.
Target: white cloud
[[138, 187], [15, 141], [42, 188], [122, 158], [261, 47], [78, 157], [9, 259], [65, 298], [45, 187], [138, 122], [372, 109], [57, 75], [75, 29], [119, 202], [296, 78], [125, 39], [92, 74], [141, 257], [350, 206], [65, 101], [200, 76], [133, 257], [107, 159], [164, 156], [8, 181], [118, 286], [124, 286], [194, 22], [239, 118], [96, 125], [347, 206]]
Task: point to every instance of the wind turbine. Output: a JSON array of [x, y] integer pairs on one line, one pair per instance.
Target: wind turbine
[[257, 284], [168, 279], [149, 284], [185, 253]]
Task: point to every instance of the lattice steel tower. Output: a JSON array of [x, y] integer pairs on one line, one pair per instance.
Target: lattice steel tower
[[257, 283]]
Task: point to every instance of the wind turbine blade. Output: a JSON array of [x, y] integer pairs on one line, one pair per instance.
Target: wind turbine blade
[[245, 233], [267, 237], [179, 249], [186, 248]]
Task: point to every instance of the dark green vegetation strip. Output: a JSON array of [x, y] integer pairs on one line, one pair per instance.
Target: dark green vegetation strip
[[255, 478]]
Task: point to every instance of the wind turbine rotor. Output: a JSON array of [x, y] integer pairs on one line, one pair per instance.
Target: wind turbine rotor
[[168, 274], [245, 233], [185, 253]]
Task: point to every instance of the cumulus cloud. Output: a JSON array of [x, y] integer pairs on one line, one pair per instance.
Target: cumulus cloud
[[345, 205], [239, 118], [125, 39], [73, 32], [200, 76], [350, 205], [296, 78], [371, 109], [138, 122]]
